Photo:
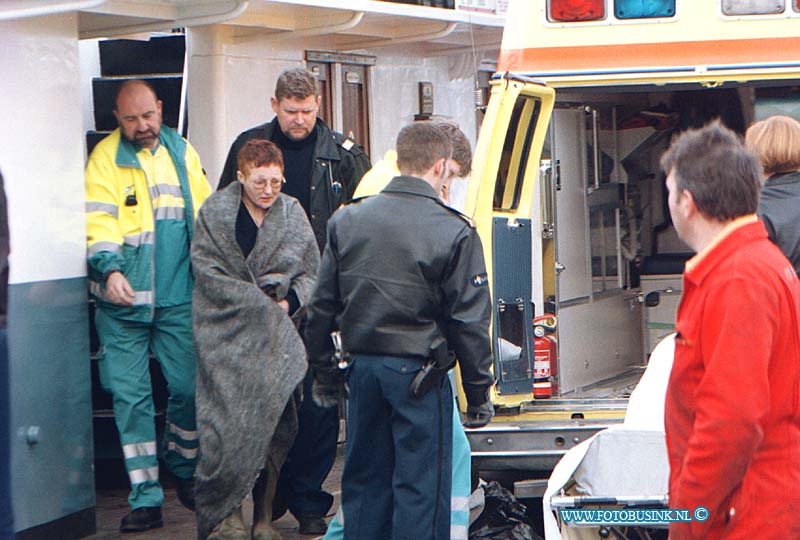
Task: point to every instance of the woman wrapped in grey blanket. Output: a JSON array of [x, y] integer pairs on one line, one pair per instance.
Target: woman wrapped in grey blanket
[[255, 262]]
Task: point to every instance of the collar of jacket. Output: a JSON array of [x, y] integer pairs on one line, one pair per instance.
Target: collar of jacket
[[784, 178], [176, 147], [126, 151], [410, 185], [326, 146], [741, 231]]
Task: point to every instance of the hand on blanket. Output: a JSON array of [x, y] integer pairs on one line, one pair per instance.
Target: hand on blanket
[[325, 389]]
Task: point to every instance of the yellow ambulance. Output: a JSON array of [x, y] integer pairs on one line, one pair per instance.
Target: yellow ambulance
[[569, 199]]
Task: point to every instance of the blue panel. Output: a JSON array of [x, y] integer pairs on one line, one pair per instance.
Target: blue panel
[[643, 9], [512, 309], [48, 333]]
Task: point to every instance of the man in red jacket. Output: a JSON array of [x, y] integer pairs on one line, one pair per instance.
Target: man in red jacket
[[732, 412]]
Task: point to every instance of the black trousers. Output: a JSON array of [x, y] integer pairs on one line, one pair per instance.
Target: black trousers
[[309, 461], [397, 473]]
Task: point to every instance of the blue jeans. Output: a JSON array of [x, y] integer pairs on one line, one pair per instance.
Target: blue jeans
[[461, 489], [397, 472]]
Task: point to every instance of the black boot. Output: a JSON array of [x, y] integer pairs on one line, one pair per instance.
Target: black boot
[[311, 524], [142, 519], [184, 488]]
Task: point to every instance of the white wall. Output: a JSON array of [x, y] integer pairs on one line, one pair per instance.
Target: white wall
[[395, 101], [229, 88], [231, 81], [42, 147], [89, 50]]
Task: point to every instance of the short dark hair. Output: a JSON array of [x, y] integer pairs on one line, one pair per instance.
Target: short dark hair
[[462, 151], [420, 146], [713, 165], [297, 83], [129, 83], [258, 153]]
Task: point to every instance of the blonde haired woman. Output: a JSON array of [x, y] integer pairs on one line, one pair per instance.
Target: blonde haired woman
[[776, 142]]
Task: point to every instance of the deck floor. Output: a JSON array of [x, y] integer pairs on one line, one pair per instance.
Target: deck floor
[[179, 523]]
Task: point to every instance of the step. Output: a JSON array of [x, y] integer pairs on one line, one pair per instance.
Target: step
[[167, 87], [528, 445], [161, 54]]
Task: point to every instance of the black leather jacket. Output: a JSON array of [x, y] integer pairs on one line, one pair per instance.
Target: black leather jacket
[[779, 209], [400, 273], [338, 166]]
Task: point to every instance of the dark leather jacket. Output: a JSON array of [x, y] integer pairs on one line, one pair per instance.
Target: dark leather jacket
[[400, 273], [779, 209], [338, 166]]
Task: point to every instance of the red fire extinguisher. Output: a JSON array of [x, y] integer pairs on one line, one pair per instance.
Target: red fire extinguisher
[[545, 366]]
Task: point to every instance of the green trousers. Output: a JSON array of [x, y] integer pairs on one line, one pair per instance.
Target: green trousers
[[124, 372]]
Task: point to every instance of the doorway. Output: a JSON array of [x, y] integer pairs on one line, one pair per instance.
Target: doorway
[[344, 90]]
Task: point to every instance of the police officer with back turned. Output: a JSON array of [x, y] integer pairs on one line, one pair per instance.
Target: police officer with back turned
[[402, 279]]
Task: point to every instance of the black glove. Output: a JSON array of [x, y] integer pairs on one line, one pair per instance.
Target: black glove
[[479, 415], [325, 389]]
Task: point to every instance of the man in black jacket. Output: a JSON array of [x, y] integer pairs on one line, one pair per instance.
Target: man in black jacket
[[322, 169], [402, 277]]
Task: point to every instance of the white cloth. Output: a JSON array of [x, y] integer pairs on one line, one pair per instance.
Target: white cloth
[[645, 412]]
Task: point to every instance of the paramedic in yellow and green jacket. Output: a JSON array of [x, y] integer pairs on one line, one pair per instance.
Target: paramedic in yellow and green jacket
[[144, 187]]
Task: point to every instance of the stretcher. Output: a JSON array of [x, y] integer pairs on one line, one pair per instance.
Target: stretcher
[[622, 468]]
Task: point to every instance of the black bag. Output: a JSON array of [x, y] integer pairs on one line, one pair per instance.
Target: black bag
[[503, 517]]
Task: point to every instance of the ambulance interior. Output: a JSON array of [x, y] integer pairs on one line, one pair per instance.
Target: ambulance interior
[[632, 240], [626, 466]]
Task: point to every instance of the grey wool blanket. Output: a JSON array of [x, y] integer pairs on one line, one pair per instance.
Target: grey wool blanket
[[250, 358]]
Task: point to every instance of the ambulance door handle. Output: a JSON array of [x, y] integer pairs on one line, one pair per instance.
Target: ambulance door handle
[[558, 175], [595, 184], [596, 149], [547, 196]]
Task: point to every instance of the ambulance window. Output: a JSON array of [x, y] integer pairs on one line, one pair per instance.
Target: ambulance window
[[753, 7], [511, 350], [516, 151], [643, 9]]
